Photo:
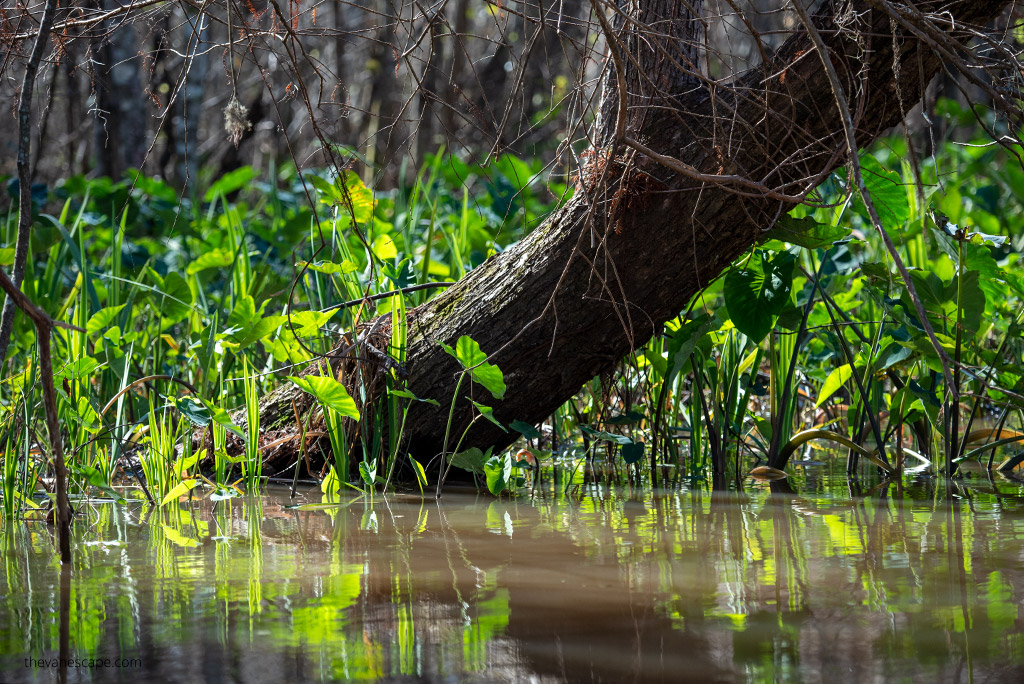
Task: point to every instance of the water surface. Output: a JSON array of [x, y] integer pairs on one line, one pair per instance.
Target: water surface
[[608, 585]]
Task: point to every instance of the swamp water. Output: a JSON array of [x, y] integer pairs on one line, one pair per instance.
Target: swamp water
[[609, 585]]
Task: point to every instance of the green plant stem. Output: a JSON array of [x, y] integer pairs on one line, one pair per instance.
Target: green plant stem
[[442, 471]]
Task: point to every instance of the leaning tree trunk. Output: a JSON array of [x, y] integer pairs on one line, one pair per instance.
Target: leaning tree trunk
[[639, 240]]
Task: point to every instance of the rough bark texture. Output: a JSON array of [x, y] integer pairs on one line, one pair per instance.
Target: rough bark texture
[[638, 241]]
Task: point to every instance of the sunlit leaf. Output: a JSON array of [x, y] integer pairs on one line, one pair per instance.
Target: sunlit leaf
[[330, 393], [196, 411], [497, 471], [472, 358], [836, 379], [102, 319], [179, 490], [212, 258]]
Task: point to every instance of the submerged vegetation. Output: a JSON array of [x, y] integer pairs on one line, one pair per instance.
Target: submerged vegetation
[[184, 312]]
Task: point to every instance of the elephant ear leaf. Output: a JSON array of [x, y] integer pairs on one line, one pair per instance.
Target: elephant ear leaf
[[757, 293], [474, 360], [330, 393]]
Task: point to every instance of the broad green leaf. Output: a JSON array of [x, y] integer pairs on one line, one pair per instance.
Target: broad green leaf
[[179, 490], [836, 379], [755, 295], [213, 258], [308, 323], [221, 417], [633, 452], [243, 315], [384, 247], [93, 477], [606, 436], [331, 483], [196, 411], [497, 471], [177, 300], [525, 429], [488, 413], [888, 193], [471, 459], [182, 465], [265, 326], [178, 538], [102, 319], [330, 393], [78, 369], [806, 232], [229, 182], [347, 192], [368, 471], [473, 359]]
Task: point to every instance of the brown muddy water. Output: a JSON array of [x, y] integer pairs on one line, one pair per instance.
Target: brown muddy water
[[608, 585]]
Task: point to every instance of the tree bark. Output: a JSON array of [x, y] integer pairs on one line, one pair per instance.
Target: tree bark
[[638, 241]]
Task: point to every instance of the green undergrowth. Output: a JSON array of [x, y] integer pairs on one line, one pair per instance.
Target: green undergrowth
[[185, 313]]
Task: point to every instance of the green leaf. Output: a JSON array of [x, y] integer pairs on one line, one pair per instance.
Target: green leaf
[[409, 395], [384, 247], [525, 429], [331, 483], [179, 490], [308, 323], [888, 193], [329, 267], [473, 359], [265, 326], [488, 413], [78, 369], [627, 418], [421, 474], [243, 316], [755, 295], [330, 393], [471, 459], [833, 382], [368, 471], [93, 477], [102, 319], [606, 436], [229, 182], [497, 471], [214, 258], [221, 417], [196, 411], [184, 463], [633, 452], [806, 232], [177, 300]]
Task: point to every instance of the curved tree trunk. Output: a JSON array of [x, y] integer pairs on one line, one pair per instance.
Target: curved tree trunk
[[638, 241]]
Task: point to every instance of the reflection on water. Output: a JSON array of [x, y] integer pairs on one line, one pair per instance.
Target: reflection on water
[[610, 586]]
